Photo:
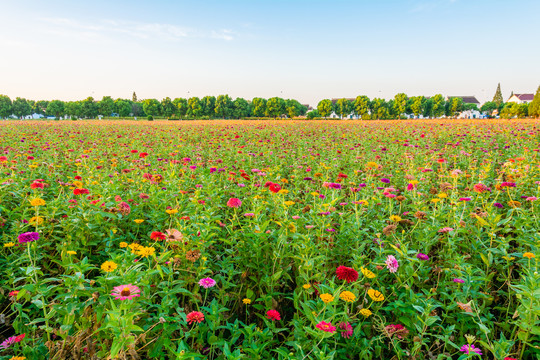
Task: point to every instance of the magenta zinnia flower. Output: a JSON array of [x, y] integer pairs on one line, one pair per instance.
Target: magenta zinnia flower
[[392, 264], [234, 203], [421, 256], [468, 349], [207, 283], [273, 315], [347, 330], [458, 280], [11, 340], [126, 292], [326, 327], [28, 237]]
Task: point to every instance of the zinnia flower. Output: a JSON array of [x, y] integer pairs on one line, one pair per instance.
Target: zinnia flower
[[195, 316], [234, 203], [11, 340], [273, 315], [367, 273], [458, 280], [392, 264], [421, 256], [346, 273], [157, 235], [207, 283], [375, 295], [125, 292], [347, 296], [28, 237], [326, 327], [274, 188], [366, 312], [108, 266], [326, 298], [347, 329], [468, 349]]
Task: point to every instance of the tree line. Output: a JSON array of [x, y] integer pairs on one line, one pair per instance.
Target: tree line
[[224, 107]]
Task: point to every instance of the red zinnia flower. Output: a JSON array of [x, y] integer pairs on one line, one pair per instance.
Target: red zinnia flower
[[80, 191], [346, 273], [234, 203], [274, 188], [36, 185], [195, 316], [273, 315], [143, 155], [158, 235]]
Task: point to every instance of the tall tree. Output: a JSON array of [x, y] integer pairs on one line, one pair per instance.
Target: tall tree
[[324, 107], [428, 108], [275, 107], [378, 109], [168, 107], [224, 106], [400, 104], [293, 108], [106, 106], [134, 97], [123, 107], [74, 108], [181, 105], [5, 106], [438, 105], [209, 106], [456, 106], [259, 107], [194, 107], [417, 105], [56, 108], [40, 107], [534, 106], [21, 107], [361, 106], [152, 107], [241, 108], [498, 98], [343, 107], [89, 108]]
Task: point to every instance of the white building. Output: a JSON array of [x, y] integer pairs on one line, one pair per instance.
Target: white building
[[521, 98]]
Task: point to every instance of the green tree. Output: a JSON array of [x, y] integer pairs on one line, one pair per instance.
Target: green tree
[[428, 108], [21, 107], [400, 104], [498, 98], [455, 106], [438, 105], [378, 109], [343, 107], [134, 97], [5, 106], [89, 108], [534, 106], [224, 106], [275, 107], [106, 106], [488, 107], [209, 106], [293, 108], [324, 107], [40, 107], [241, 108], [195, 108], [361, 106], [313, 114], [181, 105], [56, 108], [168, 107], [417, 105], [152, 107], [259, 107], [73, 108], [123, 107]]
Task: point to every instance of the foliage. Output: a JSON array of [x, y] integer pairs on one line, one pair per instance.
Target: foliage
[[325, 107], [534, 106], [498, 98]]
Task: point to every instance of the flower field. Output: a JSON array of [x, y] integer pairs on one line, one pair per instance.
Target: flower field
[[270, 240]]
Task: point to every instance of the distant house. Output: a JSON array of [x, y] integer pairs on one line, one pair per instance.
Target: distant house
[[466, 99], [34, 116], [521, 98]]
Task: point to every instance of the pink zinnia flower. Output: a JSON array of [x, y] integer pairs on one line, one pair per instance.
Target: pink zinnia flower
[[347, 330], [446, 230], [326, 327], [468, 349], [234, 203], [11, 340], [273, 315], [207, 283], [392, 264], [126, 292], [195, 316]]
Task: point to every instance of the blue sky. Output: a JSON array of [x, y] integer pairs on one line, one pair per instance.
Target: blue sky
[[308, 50]]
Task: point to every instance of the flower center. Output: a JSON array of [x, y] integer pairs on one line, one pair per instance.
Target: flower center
[[125, 292]]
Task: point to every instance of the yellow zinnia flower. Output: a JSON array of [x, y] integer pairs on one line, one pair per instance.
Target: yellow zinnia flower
[[108, 266], [138, 221], [306, 286], [144, 251], [36, 220], [71, 252], [529, 255], [375, 295], [9, 244], [366, 312], [246, 301], [347, 296], [326, 298], [395, 218], [289, 203], [37, 202], [123, 244], [171, 211], [367, 273]]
